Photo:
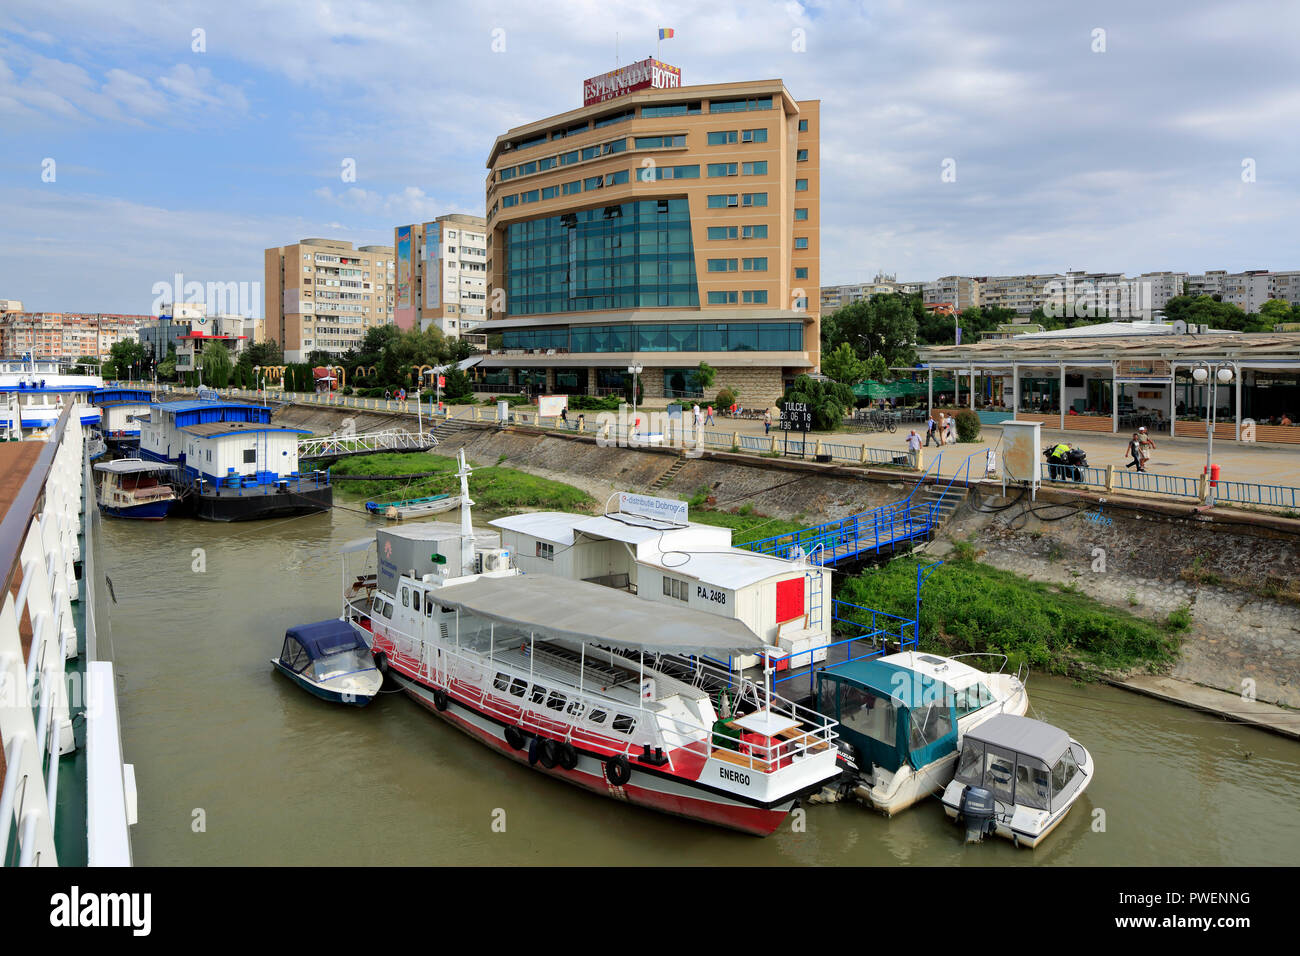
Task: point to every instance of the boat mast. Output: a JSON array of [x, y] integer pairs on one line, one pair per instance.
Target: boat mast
[[466, 520]]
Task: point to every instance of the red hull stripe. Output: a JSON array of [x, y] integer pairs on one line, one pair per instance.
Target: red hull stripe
[[758, 820]]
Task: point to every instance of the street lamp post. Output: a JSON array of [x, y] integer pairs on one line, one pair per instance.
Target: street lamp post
[[635, 372], [1214, 375]]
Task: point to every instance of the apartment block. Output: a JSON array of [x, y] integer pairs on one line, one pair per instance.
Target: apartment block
[[659, 228], [64, 335], [324, 295], [960, 292], [1164, 286], [189, 329], [442, 275], [1022, 293]]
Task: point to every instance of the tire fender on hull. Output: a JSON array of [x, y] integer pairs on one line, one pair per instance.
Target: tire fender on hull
[[515, 738], [617, 770]]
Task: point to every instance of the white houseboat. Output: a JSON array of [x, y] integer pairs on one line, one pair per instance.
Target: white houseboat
[[650, 548], [129, 488], [33, 394], [123, 409], [589, 684], [234, 463]]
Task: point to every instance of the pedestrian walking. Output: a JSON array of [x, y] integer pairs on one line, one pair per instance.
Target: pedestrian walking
[[914, 449], [930, 427], [1133, 452], [709, 419], [767, 422], [695, 413], [1144, 446], [564, 417]]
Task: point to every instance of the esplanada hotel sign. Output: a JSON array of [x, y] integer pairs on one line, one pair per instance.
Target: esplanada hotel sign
[[647, 74]]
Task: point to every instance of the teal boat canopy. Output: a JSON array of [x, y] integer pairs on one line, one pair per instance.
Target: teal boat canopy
[[892, 715]]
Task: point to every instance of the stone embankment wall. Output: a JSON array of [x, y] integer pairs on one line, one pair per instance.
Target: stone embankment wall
[[1239, 582]]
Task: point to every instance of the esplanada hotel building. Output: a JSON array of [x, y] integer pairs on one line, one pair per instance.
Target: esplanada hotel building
[[659, 225]]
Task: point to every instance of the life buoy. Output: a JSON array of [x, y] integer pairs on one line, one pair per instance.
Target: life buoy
[[515, 738], [567, 756], [546, 753], [440, 699], [617, 770]]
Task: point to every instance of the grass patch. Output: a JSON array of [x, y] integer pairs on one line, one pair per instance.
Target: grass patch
[[745, 525], [493, 488], [1180, 621], [969, 606]]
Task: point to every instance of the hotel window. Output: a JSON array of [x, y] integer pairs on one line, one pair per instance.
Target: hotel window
[[545, 551], [758, 264], [753, 136], [801, 185], [573, 187], [508, 201], [550, 162], [722, 169], [676, 172], [754, 199], [755, 297], [675, 109], [801, 273], [527, 169], [722, 137], [801, 242], [754, 169], [616, 118], [722, 265], [593, 182], [800, 215], [742, 105], [803, 126], [530, 196], [722, 298], [658, 142], [550, 192], [723, 201], [508, 173], [801, 303], [616, 179], [754, 232], [722, 232], [801, 156], [567, 159]]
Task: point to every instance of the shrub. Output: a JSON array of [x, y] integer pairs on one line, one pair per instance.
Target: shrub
[[726, 398], [592, 403], [347, 389], [968, 426]]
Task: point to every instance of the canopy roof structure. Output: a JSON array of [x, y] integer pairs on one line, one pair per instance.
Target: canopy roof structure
[[1023, 735], [325, 637], [133, 466], [593, 614], [902, 388]]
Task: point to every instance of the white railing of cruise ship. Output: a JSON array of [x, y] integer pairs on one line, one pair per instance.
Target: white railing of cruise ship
[[35, 724], [769, 759]]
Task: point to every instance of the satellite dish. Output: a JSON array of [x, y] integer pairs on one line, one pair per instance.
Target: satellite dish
[[1180, 327]]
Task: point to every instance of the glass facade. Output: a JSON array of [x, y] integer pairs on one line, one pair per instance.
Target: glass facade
[[629, 256], [663, 337]]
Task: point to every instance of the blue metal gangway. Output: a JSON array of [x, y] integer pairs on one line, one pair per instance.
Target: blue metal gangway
[[868, 532]]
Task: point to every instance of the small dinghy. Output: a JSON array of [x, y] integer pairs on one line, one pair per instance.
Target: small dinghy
[[414, 507], [330, 660], [1016, 777]]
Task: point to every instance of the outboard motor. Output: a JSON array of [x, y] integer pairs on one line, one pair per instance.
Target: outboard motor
[[977, 811]]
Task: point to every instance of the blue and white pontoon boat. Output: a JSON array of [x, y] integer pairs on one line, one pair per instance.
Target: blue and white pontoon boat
[[129, 488], [123, 410], [329, 659], [33, 394]]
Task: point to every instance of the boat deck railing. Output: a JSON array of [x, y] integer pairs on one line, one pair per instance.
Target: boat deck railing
[[448, 668]]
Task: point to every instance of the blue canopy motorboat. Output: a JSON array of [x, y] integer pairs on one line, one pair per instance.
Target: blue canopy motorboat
[[330, 660], [904, 715]]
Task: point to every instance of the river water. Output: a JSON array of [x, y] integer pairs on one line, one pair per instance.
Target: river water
[[235, 765]]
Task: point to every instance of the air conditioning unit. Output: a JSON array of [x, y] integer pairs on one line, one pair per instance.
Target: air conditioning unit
[[498, 560]]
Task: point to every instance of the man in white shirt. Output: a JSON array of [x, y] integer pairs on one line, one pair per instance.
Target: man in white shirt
[[914, 449]]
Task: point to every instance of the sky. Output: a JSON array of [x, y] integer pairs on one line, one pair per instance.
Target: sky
[[1108, 136]]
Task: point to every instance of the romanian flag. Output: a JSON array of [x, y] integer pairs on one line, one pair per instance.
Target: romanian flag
[[665, 34]]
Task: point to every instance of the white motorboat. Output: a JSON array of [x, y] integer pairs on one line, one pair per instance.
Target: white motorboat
[[905, 715], [1017, 777]]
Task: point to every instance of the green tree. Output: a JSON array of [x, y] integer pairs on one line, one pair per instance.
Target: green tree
[[876, 368], [458, 384], [167, 367], [885, 325], [828, 401], [1205, 310], [843, 365], [703, 376], [216, 365], [124, 358], [1274, 312]]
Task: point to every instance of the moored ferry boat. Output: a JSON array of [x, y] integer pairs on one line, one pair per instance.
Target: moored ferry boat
[[233, 463], [588, 683], [122, 409], [33, 394], [129, 488]]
